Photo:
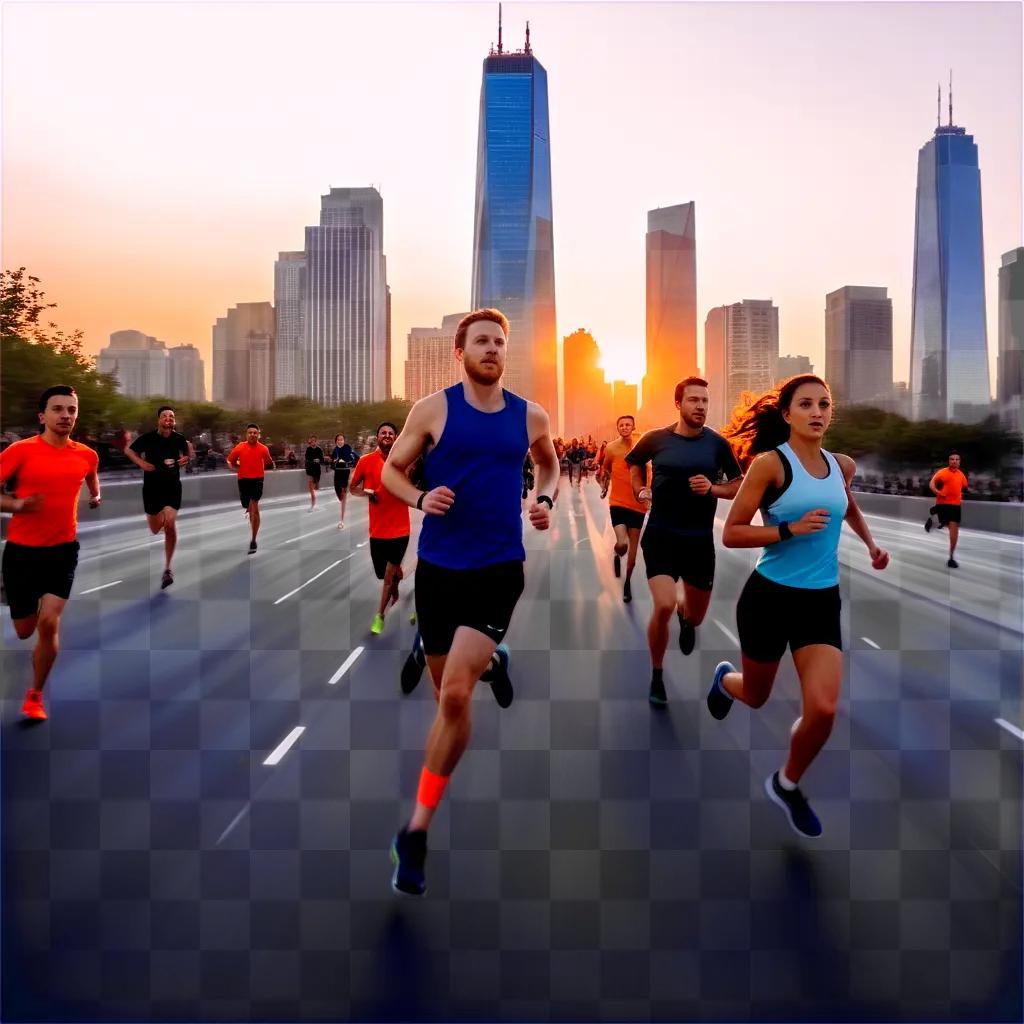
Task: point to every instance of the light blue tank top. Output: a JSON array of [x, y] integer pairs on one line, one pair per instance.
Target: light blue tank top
[[810, 562], [480, 457]]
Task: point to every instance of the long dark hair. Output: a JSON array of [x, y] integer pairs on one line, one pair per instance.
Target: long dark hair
[[757, 424]]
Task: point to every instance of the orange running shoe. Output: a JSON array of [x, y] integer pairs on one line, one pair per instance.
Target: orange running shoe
[[33, 706]]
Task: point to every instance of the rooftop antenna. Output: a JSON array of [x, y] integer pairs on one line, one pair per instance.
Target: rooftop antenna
[[499, 29], [528, 50], [951, 97]]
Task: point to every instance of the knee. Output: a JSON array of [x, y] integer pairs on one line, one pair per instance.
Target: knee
[[621, 547], [756, 700], [155, 527], [454, 701], [25, 628], [47, 626], [663, 610], [171, 529], [822, 710]]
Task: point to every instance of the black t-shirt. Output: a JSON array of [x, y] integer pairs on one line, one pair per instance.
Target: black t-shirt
[[676, 458], [157, 449], [314, 455]]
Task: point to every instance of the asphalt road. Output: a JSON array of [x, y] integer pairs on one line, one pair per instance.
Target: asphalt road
[[593, 859]]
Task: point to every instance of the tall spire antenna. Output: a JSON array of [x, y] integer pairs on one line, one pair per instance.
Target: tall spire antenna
[[528, 50], [951, 97], [499, 29]]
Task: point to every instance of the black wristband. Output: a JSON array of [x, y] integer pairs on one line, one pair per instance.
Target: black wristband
[[419, 500], [542, 498], [785, 533]]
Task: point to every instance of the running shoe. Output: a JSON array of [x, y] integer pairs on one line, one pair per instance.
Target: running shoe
[[657, 696], [412, 619], [413, 668], [252, 547], [687, 635], [341, 526], [33, 706], [377, 627], [719, 702], [497, 676], [802, 819], [167, 579], [953, 563], [627, 592], [928, 524], [618, 566], [409, 855]]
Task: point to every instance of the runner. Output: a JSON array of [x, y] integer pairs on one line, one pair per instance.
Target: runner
[[343, 458], [679, 543], [948, 486], [314, 465], [627, 513], [41, 552], [792, 596], [160, 454], [250, 459], [389, 521], [471, 553]]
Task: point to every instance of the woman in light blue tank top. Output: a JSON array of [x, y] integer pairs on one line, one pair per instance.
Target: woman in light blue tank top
[[792, 597]]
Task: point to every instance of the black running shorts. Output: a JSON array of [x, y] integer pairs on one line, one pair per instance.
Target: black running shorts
[[691, 559], [341, 480], [250, 490], [948, 514], [770, 617], [159, 495], [482, 599], [313, 470], [387, 552], [30, 572], [628, 517]]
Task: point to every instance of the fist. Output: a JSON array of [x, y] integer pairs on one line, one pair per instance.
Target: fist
[[147, 467], [94, 502], [700, 484], [438, 501], [810, 522], [32, 503], [540, 516], [879, 558]]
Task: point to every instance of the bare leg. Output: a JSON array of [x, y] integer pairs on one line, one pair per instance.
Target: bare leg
[[753, 685], [663, 592], [170, 535], [820, 668], [621, 540], [694, 605], [954, 536], [634, 543], [47, 639], [254, 517]]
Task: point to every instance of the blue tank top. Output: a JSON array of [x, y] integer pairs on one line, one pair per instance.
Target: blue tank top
[[480, 457], [810, 562]]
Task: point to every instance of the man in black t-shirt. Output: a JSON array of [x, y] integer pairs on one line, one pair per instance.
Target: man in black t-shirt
[[678, 545], [160, 454]]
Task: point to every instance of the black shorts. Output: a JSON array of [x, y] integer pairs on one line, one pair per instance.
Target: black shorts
[[770, 617], [250, 489], [948, 514], [627, 517], [385, 552], [313, 470], [482, 599], [340, 480], [691, 559], [158, 496], [30, 572]]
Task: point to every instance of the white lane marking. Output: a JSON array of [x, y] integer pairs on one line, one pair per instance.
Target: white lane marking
[[870, 642], [363, 545], [583, 541], [1011, 729], [234, 821], [345, 666], [302, 536], [92, 590], [1002, 538], [316, 577], [728, 632], [285, 745]]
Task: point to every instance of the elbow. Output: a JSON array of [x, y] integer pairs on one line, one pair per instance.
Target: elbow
[[729, 538]]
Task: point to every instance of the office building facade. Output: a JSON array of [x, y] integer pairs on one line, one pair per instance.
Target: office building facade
[[858, 345]]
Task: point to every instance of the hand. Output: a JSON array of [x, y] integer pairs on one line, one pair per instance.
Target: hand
[[540, 516], [700, 484], [33, 503], [879, 557], [94, 502], [644, 496], [146, 467], [810, 522], [371, 496], [183, 461], [438, 501]]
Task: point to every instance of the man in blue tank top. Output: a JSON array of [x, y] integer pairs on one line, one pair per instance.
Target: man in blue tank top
[[475, 437]]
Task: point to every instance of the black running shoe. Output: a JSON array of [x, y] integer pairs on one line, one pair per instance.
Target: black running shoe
[[497, 676], [719, 702], [953, 563], [802, 819], [657, 696], [167, 579], [252, 547], [413, 668], [687, 635], [627, 592], [618, 566], [409, 855], [928, 524]]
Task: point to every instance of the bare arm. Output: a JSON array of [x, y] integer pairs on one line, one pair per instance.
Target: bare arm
[[546, 467], [146, 467], [417, 433], [92, 481], [638, 481], [931, 484], [855, 518], [728, 490]]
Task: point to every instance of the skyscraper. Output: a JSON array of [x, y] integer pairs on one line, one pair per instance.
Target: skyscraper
[[588, 397], [948, 342], [1011, 327], [513, 247], [790, 366], [671, 302], [430, 365], [741, 350], [289, 311], [243, 347], [858, 345], [138, 361], [345, 328], [185, 374]]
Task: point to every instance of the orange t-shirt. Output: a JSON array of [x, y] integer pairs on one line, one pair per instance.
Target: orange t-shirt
[[389, 517], [252, 458], [621, 492], [953, 483], [38, 467]]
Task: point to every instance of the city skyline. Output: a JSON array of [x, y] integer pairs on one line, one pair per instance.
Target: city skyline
[[771, 226]]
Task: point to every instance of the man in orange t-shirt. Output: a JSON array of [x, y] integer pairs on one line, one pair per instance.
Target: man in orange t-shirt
[[948, 486], [389, 521], [41, 553], [249, 459], [627, 514]]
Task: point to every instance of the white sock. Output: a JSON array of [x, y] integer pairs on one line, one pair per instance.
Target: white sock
[[784, 782]]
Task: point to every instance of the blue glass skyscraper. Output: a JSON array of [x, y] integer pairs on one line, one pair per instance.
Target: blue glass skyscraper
[[948, 344], [513, 247]]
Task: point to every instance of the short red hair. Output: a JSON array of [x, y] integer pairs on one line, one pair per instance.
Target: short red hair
[[494, 316]]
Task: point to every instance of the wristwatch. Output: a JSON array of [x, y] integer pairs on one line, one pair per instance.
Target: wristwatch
[[419, 500], [542, 498]]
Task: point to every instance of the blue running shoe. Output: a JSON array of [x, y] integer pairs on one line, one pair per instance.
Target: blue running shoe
[[412, 670], [409, 855], [803, 821], [497, 675], [719, 702]]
